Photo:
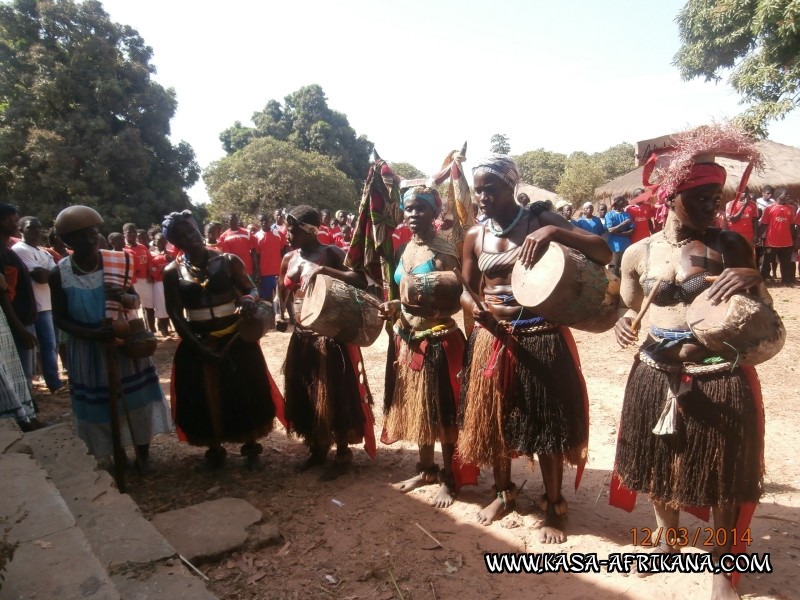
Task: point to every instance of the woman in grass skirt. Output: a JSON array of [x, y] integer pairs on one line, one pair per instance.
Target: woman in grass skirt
[[427, 350], [691, 433]]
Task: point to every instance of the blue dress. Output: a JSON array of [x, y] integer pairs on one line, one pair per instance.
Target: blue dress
[[88, 374]]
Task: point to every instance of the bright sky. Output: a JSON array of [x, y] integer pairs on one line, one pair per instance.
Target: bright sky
[[421, 77]]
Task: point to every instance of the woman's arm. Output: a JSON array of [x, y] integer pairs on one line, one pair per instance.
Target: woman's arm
[[336, 269], [631, 296], [740, 273], [556, 228], [285, 294]]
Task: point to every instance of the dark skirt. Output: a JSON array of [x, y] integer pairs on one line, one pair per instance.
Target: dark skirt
[[323, 399], [419, 402], [229, 401], [522, 395], [713, 458]]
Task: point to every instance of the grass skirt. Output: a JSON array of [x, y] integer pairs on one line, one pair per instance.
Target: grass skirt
[[323, 398], [714, 458], [420, 406], [522, 395], [230, 401]]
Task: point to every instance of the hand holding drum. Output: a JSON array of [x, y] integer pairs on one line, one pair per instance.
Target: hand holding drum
[[566, 288]]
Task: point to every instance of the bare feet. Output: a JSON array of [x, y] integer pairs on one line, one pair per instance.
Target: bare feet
[[503, 503], [722, 588], [416, 481], [445, 496], [315, 460], [552, 528], [340, 466], [214, 459], [333, 471]]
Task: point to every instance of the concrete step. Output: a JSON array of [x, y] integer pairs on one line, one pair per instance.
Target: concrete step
[[120, 553]]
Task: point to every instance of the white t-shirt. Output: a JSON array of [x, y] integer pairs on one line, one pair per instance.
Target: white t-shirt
[[33, 257]]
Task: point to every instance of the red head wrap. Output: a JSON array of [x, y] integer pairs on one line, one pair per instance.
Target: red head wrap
[[703, 174]]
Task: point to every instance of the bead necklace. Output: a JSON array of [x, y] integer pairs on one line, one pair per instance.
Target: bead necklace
[[199, 275], [683, 242], [77, 267], [498, 232]]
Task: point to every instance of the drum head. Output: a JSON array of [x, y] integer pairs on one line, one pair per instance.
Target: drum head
[[533, 287], [314, 300]]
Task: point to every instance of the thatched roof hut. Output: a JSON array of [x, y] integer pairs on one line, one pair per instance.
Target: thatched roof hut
[[781, 169], [535, 193]]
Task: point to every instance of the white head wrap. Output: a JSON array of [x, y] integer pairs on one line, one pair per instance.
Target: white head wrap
[[500, 165]]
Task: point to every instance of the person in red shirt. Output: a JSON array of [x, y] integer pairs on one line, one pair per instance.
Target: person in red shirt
[[742, 216], [160, 258], [237, 240], [270, 244], [641, 215], [142, 281], [779, 228], [325, 235]]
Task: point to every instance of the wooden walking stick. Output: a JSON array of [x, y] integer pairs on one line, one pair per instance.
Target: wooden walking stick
[[114, 395]]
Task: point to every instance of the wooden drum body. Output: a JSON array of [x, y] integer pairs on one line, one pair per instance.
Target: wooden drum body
[[564, 287], [338, 310], [253, 327], [439, 290], [744, 328]]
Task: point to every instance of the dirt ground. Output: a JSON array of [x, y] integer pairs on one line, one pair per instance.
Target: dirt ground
[[359, 538]]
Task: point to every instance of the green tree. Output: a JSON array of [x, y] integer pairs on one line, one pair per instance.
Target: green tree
[[81, 120], [757, 41], [306, 121], [268, 174], [541, 167], [582, 174], [500, 144], [616, 160], [407, 170]]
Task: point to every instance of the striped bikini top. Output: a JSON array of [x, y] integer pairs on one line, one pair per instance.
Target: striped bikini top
[[489, 262]]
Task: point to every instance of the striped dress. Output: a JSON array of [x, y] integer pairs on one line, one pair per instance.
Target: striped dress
[[88, 375], [15, 398]]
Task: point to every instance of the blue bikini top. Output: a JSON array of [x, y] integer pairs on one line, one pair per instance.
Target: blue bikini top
[[427, 267]]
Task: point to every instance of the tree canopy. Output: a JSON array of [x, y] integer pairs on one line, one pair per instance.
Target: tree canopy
[[541, 167], [81, 120], [306, 121], [500, 144], [268, 174], [757, 41], [406, 170], [584, 172]]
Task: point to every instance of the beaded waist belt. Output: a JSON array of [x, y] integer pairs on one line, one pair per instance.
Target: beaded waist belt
[[689, 368], [527, 326], [439, 331]]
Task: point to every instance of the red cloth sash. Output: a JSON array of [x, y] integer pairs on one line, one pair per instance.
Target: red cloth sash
[[354, 352]]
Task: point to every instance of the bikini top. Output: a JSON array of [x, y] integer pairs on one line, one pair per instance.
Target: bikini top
[[489, 262], [671, 294], [427, 267]]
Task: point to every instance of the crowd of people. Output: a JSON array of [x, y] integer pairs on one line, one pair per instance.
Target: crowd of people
[[770, 223], [512, 387]]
